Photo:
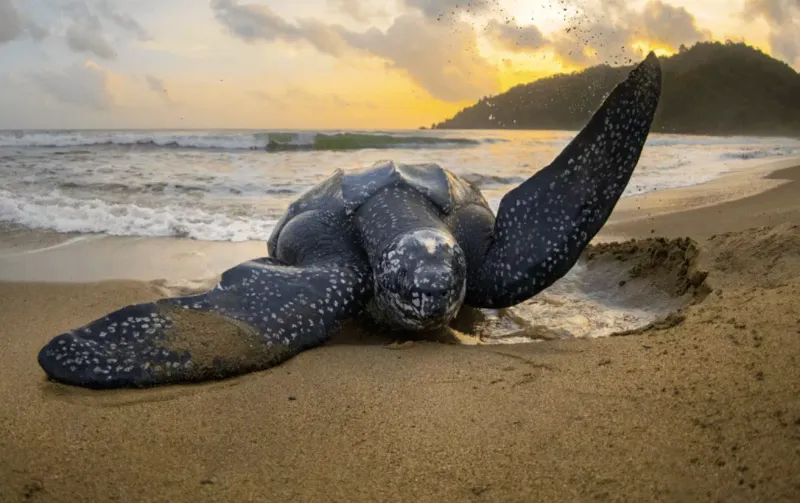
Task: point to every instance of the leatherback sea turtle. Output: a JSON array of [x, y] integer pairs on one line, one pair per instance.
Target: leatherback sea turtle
[[406, 245]]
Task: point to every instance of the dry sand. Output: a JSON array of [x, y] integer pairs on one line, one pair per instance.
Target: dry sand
[[705, 410]]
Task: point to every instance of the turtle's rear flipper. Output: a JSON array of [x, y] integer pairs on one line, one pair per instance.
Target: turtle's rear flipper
[[543, 225], [260, 314]]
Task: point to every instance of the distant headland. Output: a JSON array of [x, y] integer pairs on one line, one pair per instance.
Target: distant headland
[[711, 88]]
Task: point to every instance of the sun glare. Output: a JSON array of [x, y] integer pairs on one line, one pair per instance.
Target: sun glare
[[644, 47], [549, 17]]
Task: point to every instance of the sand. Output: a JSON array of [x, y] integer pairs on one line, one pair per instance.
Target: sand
[[703, 409], [734, 203]]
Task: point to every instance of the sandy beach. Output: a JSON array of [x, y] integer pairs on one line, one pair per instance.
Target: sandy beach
[[705, 407]]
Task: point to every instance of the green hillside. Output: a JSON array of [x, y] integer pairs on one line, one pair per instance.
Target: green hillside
[[711, 88]]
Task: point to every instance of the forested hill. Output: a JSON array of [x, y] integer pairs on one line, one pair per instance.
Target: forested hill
[[712, 88]]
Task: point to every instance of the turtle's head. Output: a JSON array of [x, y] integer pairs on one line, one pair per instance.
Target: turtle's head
[[421, 280]]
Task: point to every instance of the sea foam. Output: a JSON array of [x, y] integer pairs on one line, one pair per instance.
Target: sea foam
[[55, 211], [219, 188]]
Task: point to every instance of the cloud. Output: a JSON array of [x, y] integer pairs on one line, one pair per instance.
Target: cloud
[[360, 10], [606, 31], [599, 42], [87, 33], [441, 9], [673, 26], [36, 32], [776, 12], [158, 86], [443, 59], [124, 21], [783, 17], [85, 86], [88, 36], [10, 22], [254, 22], [785, 43], [13, 24], [512, 37], [353, 8]]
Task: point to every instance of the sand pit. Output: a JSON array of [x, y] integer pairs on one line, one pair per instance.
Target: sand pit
[[616, 288]]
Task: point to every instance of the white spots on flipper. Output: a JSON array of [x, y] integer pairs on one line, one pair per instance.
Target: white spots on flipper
[[543, 225], [106, 350], [124, 348]]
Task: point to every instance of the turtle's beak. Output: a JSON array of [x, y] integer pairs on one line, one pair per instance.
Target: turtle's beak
[[435, 295], [437, 289]]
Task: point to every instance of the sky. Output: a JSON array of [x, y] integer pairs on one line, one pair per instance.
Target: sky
[[331, 64]]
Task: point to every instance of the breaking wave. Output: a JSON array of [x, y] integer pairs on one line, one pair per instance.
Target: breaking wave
[[60, 213], [213, 187], [208, 185], [270, 142]]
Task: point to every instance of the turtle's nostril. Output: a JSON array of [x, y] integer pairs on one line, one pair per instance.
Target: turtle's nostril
[[434, 291], [436, 298]]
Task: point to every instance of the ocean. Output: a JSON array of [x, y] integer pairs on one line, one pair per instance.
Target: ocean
[[229, 185]]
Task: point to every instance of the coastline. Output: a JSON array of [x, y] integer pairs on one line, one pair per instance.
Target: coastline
[[734, 197], [706, 409], [46, 256]]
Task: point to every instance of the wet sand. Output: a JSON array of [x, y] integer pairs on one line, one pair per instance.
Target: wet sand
[[770, 197], [706, 409]]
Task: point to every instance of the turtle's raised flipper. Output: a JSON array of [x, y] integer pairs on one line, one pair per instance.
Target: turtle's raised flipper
[[543, 225], [261, 313]]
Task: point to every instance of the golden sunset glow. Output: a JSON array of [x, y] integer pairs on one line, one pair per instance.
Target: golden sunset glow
[[328, 63]]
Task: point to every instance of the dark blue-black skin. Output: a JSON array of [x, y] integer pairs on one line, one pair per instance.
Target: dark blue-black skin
[[405, 245]]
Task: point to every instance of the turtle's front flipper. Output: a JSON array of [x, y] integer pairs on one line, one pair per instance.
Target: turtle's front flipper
[[260, 314], [543, 225]]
